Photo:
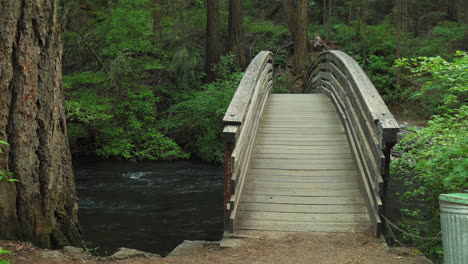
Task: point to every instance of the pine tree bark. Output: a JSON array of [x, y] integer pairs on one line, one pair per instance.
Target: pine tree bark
[[236, 32], [300, 40], [42, 207], [213, 49], [296, 19]]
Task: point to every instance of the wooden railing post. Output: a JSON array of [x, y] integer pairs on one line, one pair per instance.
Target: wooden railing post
[[370, 127], [241, 123], [229, 143]]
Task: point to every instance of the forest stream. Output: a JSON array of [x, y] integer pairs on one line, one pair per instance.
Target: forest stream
[[150, 206]]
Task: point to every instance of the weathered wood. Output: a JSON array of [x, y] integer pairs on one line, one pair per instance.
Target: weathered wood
[[303, 172], [300, 208], [241, 123], [302, 192], [316, 179], [302, 226], [295, 185], [371, 129], [260, 161], [249, 198], [282, 166], [302, 217]]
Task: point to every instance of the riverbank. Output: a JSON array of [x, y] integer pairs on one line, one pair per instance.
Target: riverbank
[[298, 248]]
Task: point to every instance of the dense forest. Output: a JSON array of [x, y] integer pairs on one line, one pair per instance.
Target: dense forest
[[152, 79], [137, 86]]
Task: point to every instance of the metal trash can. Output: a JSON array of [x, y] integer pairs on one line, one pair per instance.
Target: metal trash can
[[454, 224]]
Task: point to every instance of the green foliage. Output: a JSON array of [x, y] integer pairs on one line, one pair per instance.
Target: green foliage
[[442, 40], [116, 102], [8, 176], [282, 83], [3, 252], [267, 35], [202, 115], [435, 157], [439, 86]]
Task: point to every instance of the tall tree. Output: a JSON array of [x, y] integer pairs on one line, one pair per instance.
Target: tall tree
[[296, 19], [213, 49], [41, 207], [236, 32], [157, 19]]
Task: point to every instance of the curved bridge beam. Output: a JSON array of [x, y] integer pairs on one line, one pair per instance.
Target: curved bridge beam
[[241, 123], [371, 128]]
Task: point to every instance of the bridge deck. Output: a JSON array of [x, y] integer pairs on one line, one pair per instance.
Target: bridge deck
[[302, 176]]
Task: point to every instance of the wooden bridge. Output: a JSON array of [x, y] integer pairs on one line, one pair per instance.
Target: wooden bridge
[[315, 161]]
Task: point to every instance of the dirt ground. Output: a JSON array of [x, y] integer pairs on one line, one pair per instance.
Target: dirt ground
[[299, 248]]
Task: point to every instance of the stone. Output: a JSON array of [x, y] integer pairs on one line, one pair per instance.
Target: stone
[[125, 253], [73, 250], [53, 254], [188, 246]]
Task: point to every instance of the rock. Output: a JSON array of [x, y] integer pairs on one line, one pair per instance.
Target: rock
[[125, 253], [73, 250], [187, 247], [53, 254]]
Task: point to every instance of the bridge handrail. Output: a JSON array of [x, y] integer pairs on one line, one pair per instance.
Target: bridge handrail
[[371, 128], [240, 128]]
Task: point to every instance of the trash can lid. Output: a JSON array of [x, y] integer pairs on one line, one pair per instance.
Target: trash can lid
[[459, 198]]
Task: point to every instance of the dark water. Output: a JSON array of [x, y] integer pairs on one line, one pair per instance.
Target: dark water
[[151, 206]]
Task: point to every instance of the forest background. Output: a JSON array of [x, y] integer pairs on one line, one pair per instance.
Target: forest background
[[137, 87]]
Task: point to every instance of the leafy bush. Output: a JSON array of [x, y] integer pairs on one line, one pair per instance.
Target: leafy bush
[[2, 252], [200, 117], [267, 35], [439, 86], [8, 178], [434, 159], [116, 103]]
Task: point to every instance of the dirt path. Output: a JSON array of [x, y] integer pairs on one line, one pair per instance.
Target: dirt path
[[298, 248]]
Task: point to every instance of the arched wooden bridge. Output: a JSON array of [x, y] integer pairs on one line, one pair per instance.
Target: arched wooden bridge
[[315, 161]]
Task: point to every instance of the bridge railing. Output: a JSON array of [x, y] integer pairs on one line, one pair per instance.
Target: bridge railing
[[371, 128], [240, 128]]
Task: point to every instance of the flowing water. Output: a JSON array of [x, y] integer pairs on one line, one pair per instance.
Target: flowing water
[[150, 206]]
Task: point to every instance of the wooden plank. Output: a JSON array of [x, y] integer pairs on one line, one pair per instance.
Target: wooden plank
[[237, 109], [295, 185], [300, 133], [249, 198], [302, 161], [304, 173], [328, 179], [331, 142], [319, 150], [281, 166], [300, 208], [304, 217], [303, 148], [317, 156], [302, 192], [302, 226]]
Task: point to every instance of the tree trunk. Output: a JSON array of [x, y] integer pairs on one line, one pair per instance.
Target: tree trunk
[[399, 10], [157, 20], [42, 207], [296, 19], [236, 32], [213, 50], [300, 40], [290, 15]]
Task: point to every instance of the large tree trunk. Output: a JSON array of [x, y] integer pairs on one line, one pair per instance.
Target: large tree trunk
[[213, 50], [296, 19], [236, 32], [42, 207], [300, 38]]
